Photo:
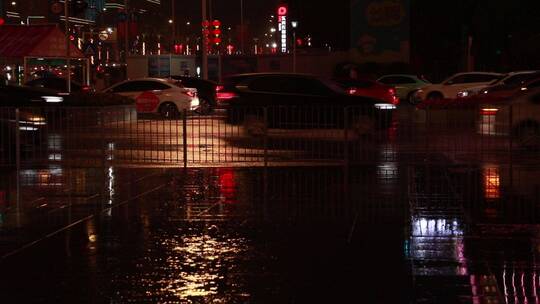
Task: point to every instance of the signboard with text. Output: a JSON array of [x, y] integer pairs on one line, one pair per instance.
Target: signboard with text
[[380, 28]]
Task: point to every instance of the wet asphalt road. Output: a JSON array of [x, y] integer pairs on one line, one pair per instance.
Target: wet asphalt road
[[416, 217], [388, 233]]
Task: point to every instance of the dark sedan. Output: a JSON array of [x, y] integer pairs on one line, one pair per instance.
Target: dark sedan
[[57, 84], [30, 127], [206, 91], [302, 101]]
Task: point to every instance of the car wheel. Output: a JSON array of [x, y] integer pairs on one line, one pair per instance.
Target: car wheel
[[168, 110], [528, 136], [204, 108], [255, 125], [435, 96], [363, 125]]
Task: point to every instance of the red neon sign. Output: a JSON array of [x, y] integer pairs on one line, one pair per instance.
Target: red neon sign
[[282, 11]]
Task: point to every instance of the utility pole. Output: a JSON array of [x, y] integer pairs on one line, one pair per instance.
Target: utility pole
[[204, 44], [242, 26], [68, 45], [173, 18], [126, 29]]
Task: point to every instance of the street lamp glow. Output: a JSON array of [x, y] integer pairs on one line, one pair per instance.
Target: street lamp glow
[[294, 24], [188, 23], [13, 3], [170, 21], [274, 45], [272, 30]]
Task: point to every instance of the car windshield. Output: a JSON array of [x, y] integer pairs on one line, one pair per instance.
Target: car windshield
[[334, 86], [177, 83]]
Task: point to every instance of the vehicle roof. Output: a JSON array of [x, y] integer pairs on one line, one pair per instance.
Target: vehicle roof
[[147, 79], [522, 72], [182, 77], [399, 75], [481, 73], [271, 74]]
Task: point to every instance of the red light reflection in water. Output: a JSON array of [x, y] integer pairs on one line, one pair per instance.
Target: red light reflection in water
[[227, 184]]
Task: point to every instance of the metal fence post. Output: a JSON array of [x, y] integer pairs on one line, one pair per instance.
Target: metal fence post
[[184, 137], [18, 164], [346, 136], [265, 139]]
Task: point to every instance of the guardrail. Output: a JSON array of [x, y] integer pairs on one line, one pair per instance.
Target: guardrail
[[255, 136]]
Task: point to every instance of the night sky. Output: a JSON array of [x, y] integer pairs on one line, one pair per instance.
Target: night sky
[[325, 23]]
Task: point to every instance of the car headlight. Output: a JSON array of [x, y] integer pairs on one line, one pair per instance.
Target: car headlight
[[463, 94], [34, 121], [385, 106], [53, 99], [194, 102]]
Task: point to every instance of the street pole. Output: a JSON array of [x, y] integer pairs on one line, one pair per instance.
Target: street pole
[[204, 45], [242, 26], [294, 51], [173, 18], [126, 29], [294, 26], [68, 53]]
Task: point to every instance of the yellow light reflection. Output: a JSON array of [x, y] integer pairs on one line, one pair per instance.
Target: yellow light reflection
[[492, 182]]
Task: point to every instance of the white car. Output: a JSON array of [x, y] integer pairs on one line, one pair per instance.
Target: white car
[[455, 84], [518, 117], [154, 95], [509, 81]]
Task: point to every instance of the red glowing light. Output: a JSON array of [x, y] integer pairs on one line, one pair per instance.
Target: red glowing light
[[216, 23], [282, 11], [2, 21]]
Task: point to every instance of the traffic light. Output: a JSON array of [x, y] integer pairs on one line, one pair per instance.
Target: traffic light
[[78, 7], [216, 32]]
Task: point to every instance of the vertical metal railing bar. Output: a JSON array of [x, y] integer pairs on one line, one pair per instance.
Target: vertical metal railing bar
[[184, 138]]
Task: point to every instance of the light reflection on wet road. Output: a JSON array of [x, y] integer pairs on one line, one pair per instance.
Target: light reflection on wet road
[[452, 234]]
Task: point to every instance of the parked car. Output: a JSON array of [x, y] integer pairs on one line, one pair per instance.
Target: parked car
[[57, 84], [518, 116], [155, 95], [369, 88], [455, 84], [509, 82], [294, 100], [31, 124], [405, 85], [24, 96], [206, 91]]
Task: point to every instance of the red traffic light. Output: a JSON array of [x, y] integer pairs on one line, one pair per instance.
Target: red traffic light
[[282, 11]]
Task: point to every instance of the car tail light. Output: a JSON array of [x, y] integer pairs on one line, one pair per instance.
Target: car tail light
[[352, 91], [225, 96], [219, 88], [190, 93], [393, 97], [85, 89], [489, 111]]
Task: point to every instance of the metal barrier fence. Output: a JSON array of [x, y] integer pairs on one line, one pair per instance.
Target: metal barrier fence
[[255, 136]]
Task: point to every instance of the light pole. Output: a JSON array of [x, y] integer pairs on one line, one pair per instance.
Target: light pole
[[242, 26], [173, 18], [68, 54], [294, 26], [204, 45]]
